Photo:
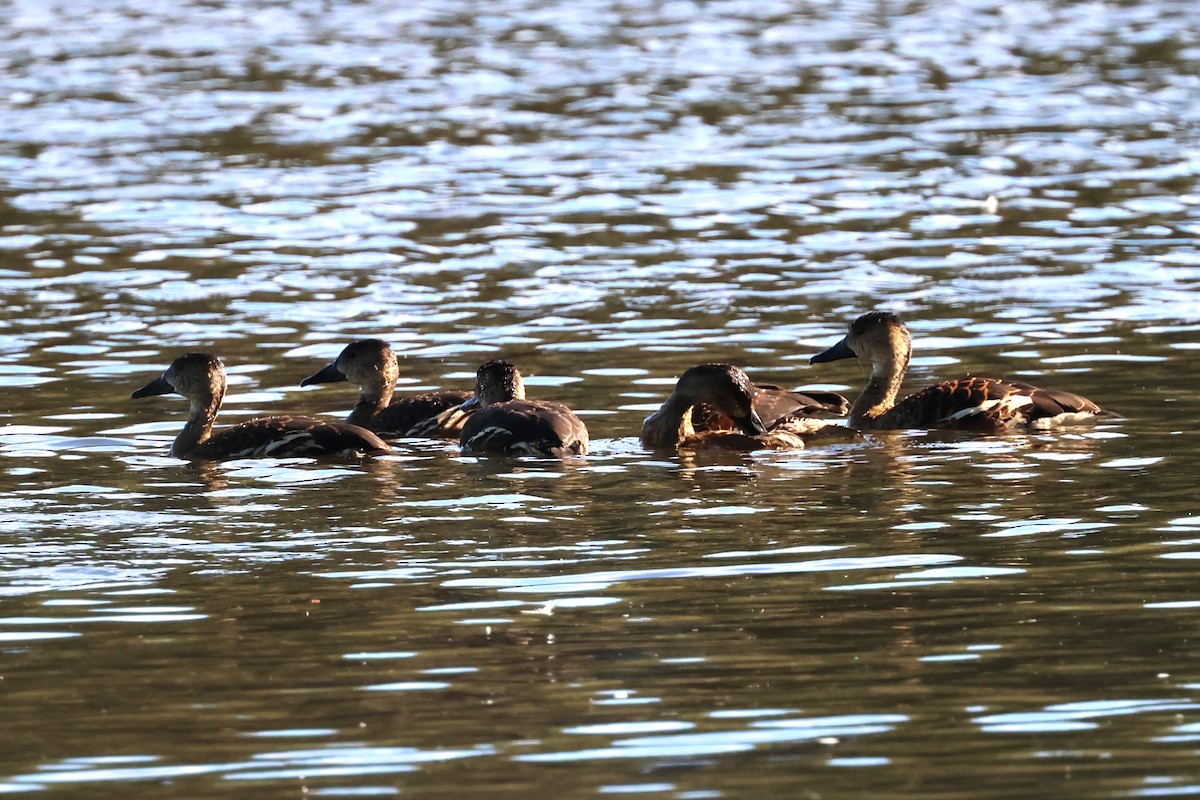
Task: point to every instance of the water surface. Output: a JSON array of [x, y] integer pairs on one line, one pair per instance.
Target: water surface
[[605, 193]]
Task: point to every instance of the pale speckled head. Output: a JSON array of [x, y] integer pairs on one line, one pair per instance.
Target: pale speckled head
[[498, 382], [367, 362], [195, 375]]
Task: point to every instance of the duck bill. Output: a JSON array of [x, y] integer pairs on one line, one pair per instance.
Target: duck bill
[[751, 424], [155, 387], [331, 374], [471, 403], [836, 353]]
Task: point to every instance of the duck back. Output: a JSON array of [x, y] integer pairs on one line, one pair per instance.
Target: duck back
[[421, 415], [525, 427], [985, 405], [287, 437]]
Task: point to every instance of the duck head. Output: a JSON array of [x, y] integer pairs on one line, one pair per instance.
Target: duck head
[[496, 381], [878, 337], [367, 362], [195, 376], [724, 387]]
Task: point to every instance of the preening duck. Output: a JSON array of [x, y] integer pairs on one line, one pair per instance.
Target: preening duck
[[725, 392], [984, 405], [506, 423], [200, 378], [794, 432], [372, 366]]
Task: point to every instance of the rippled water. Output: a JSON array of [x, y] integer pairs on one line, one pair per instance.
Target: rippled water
[[606, 193]]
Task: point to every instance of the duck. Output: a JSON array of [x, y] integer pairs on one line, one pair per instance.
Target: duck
[[793, 432], [770, 404], [371, 364], [773, 403], [503, 422], [200, 377], [725, 392], [981, 405]]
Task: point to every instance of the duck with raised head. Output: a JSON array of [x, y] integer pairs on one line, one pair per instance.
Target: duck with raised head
[[725, 391], [200, 377], [505, 423], [372, 366], [983, 405]]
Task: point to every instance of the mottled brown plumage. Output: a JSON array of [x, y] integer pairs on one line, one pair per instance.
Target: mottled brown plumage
[[716, 405], [200, 378], [794, 432], [508, 424], [372, 366], [772, 403], [984, 405]]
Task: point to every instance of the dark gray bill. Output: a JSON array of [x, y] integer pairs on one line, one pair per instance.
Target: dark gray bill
[[836, 353], [331, 374], [155, 387]]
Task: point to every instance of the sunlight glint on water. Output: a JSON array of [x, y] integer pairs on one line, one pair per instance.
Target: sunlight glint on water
[[604, 193]]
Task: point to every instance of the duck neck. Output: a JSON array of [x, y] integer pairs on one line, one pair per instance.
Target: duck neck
[[373, 397], [661, 429], [202, 415], [879, 396], [491, 393]]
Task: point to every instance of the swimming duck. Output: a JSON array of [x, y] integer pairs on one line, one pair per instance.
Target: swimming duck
[[723, 391], [794, 432], [984, 405], [707, 389], [200, 378], [371, 364], [508, 424]]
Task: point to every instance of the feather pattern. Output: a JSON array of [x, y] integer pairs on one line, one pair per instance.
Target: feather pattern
[[372, 366], [287, 437], [716, 406], [433, 415], [793, 432], [446, 423], [771, 403], [508, 424], [983, 405], [200, 378], [774, 403]]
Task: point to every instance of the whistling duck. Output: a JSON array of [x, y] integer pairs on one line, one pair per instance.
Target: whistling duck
[[200, 378], [507, 423], [984, 405], [794, 432], [769, 403], [724, 391], [371, 364]]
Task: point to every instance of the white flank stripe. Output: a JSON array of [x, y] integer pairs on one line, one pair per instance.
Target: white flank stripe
[[285, 442], [1005, 406]]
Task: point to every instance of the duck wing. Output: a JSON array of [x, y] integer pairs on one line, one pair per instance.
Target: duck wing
[[987, 405], [773, 403], [525, 427], [418, 416], [287, 437], [1052, 403]]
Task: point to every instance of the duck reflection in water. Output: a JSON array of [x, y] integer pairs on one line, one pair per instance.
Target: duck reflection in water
[[200, 377], [982, 405], [372, 366], [504, 422], [716, 406]]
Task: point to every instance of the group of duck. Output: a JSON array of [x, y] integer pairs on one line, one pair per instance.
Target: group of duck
[[711, 406]]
